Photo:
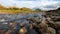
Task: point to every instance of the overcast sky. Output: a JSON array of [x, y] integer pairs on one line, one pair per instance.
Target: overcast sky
[[43, 4]]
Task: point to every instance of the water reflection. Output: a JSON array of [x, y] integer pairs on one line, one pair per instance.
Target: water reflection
[[5, 19]]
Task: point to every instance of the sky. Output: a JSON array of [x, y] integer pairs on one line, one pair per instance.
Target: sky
[[42, 4]]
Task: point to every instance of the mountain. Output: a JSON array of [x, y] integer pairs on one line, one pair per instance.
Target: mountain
[[14, 10], [2, 7], [58, 8]]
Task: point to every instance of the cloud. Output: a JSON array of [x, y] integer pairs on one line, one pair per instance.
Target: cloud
[[29, 4], [7, 2], [27, 0], [51, 6], [43, 4]]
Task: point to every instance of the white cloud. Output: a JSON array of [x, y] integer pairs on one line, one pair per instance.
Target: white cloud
[[31, 4], [27, 0]]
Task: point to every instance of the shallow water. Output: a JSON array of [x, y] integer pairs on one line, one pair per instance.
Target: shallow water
[[16, 18]]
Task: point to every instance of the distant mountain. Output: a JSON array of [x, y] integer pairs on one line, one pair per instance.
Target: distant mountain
[[2, 7], [14, 8], [58, 8], [23, 9], [26, 9], [55, 10]]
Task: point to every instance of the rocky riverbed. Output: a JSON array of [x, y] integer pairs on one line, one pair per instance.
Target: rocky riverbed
[[25, 23]]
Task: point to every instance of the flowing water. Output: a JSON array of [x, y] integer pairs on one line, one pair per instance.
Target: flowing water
[[5, 19]]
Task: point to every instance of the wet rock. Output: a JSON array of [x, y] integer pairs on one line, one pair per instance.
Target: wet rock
[[51, 30]]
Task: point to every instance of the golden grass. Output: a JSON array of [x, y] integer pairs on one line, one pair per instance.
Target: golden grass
[[15, 11]]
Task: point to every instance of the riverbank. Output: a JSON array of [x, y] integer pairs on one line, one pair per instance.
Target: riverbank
[[15, 11]]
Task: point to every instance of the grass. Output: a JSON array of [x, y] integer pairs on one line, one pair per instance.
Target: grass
[[15, 11]]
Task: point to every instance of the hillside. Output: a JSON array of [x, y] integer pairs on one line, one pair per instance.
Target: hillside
[[2, 7], [15, 10]]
